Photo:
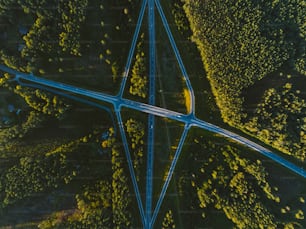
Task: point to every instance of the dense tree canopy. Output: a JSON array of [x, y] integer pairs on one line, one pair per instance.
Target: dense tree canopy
[[225, 181], [33, 175], [243, 42]]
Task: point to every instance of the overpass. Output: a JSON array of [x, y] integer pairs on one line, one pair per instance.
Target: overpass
[[189, 120], [118, 102]]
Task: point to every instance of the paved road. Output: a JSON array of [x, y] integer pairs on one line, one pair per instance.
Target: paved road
[[78, 99], [70, 91], [169, 175], [178, 56], [132, 49], [118, 102], [158, 111], [151, 118], [130, 164]]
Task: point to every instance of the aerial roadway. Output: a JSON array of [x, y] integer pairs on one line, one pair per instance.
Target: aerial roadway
[[118, 103], [189, 120], [151, 117]]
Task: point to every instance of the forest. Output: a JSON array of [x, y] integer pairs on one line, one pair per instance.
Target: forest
[[62, 163], [251, 49], [46, 150], [223, 181]]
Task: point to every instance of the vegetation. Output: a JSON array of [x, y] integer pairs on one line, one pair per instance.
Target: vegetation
[[93, 210], [18, 131], [247, 42], [120, 192], [222, 179], [168, 221], [139, 79], [42, 101], [187, 99], [73, 15], [67, 38], [243, 44], [180, 18], [33, 175], [41, 104], [105, 204], [136, 131], [280, 121], [54, 39]]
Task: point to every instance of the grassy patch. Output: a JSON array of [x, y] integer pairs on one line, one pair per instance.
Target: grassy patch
[[167, 135], [205, 106], [169, 80]]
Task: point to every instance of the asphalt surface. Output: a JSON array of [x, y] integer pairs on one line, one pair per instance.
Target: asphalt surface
[[130, 164], [151, 118], [150, 109], [169, 175], [178, 57], [78, 99], [118, 102], [132, 49]]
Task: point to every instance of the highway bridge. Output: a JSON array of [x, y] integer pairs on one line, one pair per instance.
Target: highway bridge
[[148, 215]]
